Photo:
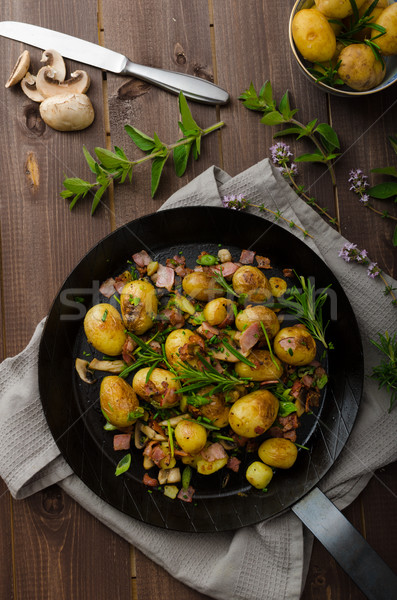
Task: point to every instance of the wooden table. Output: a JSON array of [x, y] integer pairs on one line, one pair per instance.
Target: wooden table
[[51, 548]]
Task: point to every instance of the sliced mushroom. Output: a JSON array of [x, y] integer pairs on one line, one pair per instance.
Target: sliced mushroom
[[82, 369], [52, 58], [48, 85], [110, 366], [68, 112], [173, 421], [28, 85], [20, 69], [169, 475], [152, 434], [140, 438]]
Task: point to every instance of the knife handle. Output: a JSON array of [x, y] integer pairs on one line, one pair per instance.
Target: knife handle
[[194, 88]]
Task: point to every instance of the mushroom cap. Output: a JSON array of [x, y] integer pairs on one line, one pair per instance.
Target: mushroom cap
[[20, 69], [28, 85], [67, 112], [48, 85], [52, 58]]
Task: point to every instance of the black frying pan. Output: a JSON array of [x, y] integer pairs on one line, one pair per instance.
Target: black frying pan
[[72, 407]]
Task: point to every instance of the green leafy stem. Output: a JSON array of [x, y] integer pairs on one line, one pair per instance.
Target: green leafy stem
[[116, 166]]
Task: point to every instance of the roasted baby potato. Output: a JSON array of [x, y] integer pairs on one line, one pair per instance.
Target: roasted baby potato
[[254, 413], [161, 389], [216, 410], [191, 436], [337, 9], [313, 35], [138, 306], [219, 311], [118, 401], [105, 329], [278, 286], [359, 67], [258, 314], [206, 467], [251, 281], [388, 19], [278, 452], [201, 286], [295, 346], [182, 345], [267, 369], [259, 475]]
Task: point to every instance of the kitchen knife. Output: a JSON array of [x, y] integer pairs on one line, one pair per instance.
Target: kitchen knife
[[88, 53]]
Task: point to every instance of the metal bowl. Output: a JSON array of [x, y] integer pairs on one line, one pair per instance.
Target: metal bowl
[[390, 61]]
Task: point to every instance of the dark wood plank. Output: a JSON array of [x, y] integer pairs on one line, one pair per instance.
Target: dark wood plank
[[6, 567], [179, 40]]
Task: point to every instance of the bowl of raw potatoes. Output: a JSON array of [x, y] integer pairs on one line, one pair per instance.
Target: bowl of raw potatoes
[[346, 47]]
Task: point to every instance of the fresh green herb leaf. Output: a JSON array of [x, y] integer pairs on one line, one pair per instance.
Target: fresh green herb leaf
[[123, 465], [388, 189], [386, 372]]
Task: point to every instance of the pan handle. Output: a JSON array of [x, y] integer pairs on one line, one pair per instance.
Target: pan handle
[[347, 546]]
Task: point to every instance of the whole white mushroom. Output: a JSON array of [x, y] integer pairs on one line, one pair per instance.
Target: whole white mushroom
[[67, 112]]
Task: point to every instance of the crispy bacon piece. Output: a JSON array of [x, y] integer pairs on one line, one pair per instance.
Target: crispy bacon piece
[[149, 448], [247, 257], [240, 440], [263, 262], [186, 495], [107, 288], [188, 350], [213, 452], [227, 269], [127, 351], [296, 388], [250, 336], [312, 399], [174, 316], [289, 422], [165, 277], [288, 343], [183, 271], [176, 261], [288, 273], [170, 395], [150, 481], [141, 259], [233, 463], [121, 280], [122, 441], [307, 380], [207, 330], [158, 454]]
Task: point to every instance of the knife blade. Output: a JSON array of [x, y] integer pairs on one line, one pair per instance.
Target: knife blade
[[195, 88]]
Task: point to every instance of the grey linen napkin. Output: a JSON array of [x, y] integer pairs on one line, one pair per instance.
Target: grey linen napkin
[[263, 562]]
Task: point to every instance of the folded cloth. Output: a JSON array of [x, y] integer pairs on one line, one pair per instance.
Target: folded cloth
[[263, 562]]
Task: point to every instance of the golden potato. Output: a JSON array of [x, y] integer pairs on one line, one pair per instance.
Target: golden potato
[[206, 467], [181, 345], [278, 452], [161, 389], [138, 305], [254, 413], [313, 35], [337, 9], [295, 346], [265, 370], [388, 19], [258, 314], [278, 286], [359, 68], [336, 27], [191, 436], [118, 401], [201, 286], [105, 329], [219, 311], [216, 410], [251, 281], [259, 475]]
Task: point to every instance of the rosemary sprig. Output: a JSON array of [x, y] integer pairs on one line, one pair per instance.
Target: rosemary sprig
[[117, 167], [146, 357], [193, 379], [308, 308], [386, 372]]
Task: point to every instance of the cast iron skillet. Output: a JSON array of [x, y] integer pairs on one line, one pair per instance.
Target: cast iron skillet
[[72, 407]]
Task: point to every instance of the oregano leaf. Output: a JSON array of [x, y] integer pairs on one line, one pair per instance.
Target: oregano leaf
[[388, 189], [328, 134], [187, 120], [143, 141], [157, 168], [181, 157], [273, 118]]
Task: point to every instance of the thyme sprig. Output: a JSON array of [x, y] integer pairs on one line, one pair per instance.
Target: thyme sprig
[[386, 372], [117, 167]]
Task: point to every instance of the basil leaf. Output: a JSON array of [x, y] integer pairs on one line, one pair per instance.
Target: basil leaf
[[123, 465]]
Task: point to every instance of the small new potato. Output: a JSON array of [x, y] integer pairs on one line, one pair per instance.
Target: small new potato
[[251, 281], [206, 467], [201, 286], [161, 389], [278, 286], [191, 436], [105, 329], [258, 314], [388, 42], [216, 410], [139, 305], [219, 311], [118, 401], [254, 413], [266, 370], [259, 475], [359, 68], [295, 346], [278, 452], [177, 340], [313, 35], [337, 9]]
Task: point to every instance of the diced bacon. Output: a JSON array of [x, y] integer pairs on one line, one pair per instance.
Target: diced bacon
[[170, 396], [150, 481], [288, 343], [250, 336], [312, 399], [142, 258], [183, 271], [165, 277], [150, 388], [175, 317], [226, 269], [290, 435], [157, 455], [228, 320], [247, 257], [259, 430], [319, 372], [121, 280], [127, 351], [107, 288], [122, 441], [186, 495], [156, 346], [296, 388], [288, 273], [188, 350], [175, 261], [263, 262], [315, 363], [233, 463], [217, 365], [240, 440], [307, 380], [213, 452], [149, 448], [207, 330], [276, 432], [289, 422]]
